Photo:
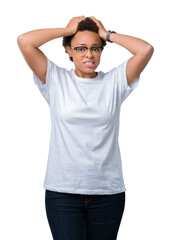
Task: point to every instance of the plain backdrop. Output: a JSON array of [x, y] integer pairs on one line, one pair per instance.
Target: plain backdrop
[[145, 118]]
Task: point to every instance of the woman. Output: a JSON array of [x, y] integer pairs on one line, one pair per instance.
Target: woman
[[85, 191]]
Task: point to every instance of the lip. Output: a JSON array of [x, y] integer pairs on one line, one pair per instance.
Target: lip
[[89, 61], [89, 65]]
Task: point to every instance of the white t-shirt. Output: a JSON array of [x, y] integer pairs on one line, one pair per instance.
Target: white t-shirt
[[84, 155]]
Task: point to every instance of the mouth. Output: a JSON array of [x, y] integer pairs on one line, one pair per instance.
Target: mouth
[[89, 64]]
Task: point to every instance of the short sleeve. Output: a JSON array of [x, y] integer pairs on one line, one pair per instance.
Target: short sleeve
[[45, 87], [123, 88]]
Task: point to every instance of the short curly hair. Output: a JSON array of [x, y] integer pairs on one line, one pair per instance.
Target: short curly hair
[[86, 24]]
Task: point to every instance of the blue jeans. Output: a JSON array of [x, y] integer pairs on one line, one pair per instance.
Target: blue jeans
[[84, 217]]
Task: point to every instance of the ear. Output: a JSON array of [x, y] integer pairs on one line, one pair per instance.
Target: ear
[[68, 50]]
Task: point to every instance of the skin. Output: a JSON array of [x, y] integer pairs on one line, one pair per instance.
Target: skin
[[142, 51], [87, 38], [30, 42]]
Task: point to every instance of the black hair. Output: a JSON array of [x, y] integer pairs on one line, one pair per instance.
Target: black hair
[[86, 24]]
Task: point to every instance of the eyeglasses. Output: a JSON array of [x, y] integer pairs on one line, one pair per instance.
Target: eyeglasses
[[81, 51]]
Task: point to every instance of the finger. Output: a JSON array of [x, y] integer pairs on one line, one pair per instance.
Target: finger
[[93, 18], [79, 17]]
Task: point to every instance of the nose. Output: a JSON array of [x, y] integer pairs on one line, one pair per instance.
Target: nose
[[89, 53]]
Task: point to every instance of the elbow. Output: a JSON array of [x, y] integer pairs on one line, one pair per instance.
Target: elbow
[[22, 41], [19, 37], [149, 52], [150, 49], [146, 50], [19, 40]]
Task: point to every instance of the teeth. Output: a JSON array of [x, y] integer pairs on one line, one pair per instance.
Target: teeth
[[89, 62]]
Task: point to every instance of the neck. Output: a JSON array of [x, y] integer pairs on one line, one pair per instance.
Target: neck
[[85, 75]]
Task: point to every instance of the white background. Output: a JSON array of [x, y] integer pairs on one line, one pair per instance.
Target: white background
[[144, 122]]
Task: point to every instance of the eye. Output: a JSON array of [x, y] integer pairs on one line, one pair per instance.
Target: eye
[[81, 49], [96, 49]]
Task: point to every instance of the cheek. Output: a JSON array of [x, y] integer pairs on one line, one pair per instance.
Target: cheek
[[76, 59], [97, 61]]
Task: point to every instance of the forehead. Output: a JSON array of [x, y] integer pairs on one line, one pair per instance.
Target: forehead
[[86, 37]]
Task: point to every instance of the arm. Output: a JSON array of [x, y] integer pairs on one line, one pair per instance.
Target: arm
[[37, 38], [30, 42], [141, 50]]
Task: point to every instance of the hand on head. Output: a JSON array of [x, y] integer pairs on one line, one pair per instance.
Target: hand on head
[[73, 24], [102, 30]]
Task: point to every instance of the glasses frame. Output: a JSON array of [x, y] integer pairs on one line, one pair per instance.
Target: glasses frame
[[75, 48]]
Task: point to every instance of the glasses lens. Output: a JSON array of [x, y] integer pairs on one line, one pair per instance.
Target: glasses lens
[[81, 51], [96, 51]]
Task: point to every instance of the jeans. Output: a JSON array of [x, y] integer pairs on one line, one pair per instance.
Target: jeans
[[84, 217]]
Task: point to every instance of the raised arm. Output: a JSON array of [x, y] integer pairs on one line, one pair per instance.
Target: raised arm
[[141, 50], [30, 42]]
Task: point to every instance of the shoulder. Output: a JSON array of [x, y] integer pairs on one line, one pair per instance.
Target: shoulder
[[53, 65], [56, 69], [116, 71]]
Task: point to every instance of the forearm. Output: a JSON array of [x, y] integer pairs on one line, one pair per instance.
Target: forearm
[[38, 37], [132, 44]]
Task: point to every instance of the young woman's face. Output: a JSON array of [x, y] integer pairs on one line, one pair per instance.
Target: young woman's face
[[86, 39]]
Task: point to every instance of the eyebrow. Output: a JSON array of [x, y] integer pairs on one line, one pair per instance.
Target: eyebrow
[[95, 44]]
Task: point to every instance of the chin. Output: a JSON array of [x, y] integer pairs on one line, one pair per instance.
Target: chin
[[89, 70]]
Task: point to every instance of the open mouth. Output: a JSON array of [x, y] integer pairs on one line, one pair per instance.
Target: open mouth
[[89, 64]]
